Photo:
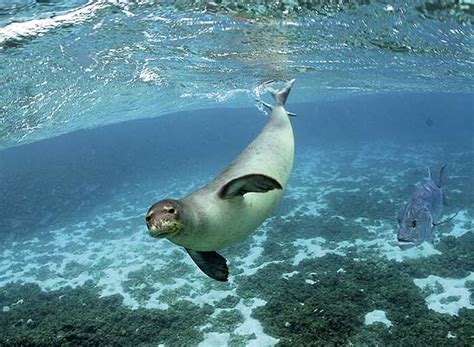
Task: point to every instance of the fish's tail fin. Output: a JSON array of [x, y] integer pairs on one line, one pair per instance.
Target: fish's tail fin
[[281, 95], [440, 181]]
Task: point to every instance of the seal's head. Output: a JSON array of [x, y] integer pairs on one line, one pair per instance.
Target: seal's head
[[164, 218]]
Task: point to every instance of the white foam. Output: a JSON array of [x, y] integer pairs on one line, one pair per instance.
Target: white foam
[[453, 297], [37, 27], [377, 316], [149, 75]]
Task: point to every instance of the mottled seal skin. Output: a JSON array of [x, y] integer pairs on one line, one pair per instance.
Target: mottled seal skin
[[236, 202], [419, 217]]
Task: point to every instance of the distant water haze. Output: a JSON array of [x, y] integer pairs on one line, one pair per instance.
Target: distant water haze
[[68, 176]]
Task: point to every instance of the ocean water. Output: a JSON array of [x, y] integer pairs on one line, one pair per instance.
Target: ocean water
[[109, 106]]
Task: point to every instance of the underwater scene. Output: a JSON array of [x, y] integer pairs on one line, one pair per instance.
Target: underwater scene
[[236, 173]]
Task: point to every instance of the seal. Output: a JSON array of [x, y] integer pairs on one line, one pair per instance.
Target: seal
[[236, 202]]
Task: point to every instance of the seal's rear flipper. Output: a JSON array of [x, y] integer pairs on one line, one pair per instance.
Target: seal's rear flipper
[[280, 96], [254, 183], [211, 263]]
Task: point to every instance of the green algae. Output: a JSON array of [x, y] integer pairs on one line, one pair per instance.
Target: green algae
[[240, 340], [81, 317], [225, 321], [430, 289], [456, 259], [282, 232], [42, 273], [450, 299], [330, 309], [363, 203], [229, 301], [141, 284], [73, 269]]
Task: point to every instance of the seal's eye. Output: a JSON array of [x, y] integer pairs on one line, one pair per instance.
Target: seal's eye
[[171, 210], [413, 224]]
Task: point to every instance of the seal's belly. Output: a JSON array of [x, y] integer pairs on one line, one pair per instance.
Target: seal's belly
[[234, 220]]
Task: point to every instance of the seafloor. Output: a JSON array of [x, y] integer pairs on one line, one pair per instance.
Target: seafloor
[[325, 270]]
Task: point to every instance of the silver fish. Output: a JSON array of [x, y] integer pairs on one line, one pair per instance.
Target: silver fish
[[420, 215]]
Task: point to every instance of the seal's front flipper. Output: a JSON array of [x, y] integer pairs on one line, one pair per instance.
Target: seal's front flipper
[[254, 183], [211, 263], [270, 107]]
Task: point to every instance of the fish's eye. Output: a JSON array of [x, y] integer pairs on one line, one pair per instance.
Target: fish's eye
[[413, 224]]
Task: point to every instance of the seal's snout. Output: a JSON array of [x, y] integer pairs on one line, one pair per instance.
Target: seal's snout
[[163, 218], [149, 220]]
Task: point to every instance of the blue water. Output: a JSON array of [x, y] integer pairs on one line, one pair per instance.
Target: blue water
[[107, 107]]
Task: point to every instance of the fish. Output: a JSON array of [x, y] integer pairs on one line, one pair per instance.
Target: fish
[[419, 217]]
